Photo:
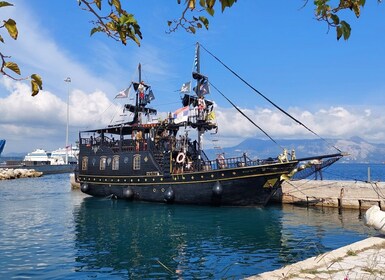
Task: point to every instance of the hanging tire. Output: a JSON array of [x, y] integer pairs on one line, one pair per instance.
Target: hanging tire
[[84, 187], [217, 189], [128, 193], [169, 195]]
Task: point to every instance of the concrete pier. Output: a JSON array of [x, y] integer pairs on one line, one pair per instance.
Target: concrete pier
[[361, 260], [325, 193]]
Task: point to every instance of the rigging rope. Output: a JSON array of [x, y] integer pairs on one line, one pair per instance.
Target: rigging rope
[[267, 99], [240, 111]]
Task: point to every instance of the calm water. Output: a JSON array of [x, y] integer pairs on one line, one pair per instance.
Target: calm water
[[48, 231]]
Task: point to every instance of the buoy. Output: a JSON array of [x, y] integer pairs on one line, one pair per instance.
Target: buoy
[[84, 187], [128, 193], [180, 158], [169, 195], [375, 218], [217, 189]]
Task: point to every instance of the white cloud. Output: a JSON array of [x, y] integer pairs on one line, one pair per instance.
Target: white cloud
[[332, 122], [29, 122]]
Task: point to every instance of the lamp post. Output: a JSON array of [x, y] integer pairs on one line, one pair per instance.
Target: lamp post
[[68, 80]]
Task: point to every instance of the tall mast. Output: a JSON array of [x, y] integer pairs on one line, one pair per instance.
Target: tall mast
[[136, 114], [140, 79], [197, 59], [200, 129], [68, 80]]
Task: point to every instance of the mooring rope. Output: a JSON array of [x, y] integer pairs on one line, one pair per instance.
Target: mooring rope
[[267, 99], [240, 111]]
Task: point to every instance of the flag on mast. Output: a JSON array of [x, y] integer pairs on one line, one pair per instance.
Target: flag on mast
[[186, 87], [181, 115], [124, 93]]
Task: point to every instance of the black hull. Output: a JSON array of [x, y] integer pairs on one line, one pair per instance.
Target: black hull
[[233, 187]]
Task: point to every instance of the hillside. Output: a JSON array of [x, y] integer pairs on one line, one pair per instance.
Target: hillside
[[359, 150]]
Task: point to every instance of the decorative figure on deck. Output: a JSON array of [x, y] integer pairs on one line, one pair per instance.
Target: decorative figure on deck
[[141, 89], [201, 107]]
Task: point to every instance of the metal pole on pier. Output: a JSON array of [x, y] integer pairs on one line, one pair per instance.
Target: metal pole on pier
[[68, 80]]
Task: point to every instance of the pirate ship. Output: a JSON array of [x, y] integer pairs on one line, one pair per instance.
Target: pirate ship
[[162, 162]]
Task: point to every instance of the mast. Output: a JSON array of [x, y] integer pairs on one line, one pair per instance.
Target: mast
[[200, 128], [136, 114], [68, 80], [140, 79]]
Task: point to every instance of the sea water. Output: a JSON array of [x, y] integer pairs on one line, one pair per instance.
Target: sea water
[[48, 231]]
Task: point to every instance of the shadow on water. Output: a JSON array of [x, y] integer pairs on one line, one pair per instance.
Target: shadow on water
[[146, 241]]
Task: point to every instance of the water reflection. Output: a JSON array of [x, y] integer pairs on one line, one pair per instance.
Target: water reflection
[[140, 240]]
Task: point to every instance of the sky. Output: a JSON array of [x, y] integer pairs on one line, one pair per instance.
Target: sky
[[336, 88]]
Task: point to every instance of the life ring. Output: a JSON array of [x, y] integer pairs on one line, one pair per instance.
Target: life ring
[[180, 158]]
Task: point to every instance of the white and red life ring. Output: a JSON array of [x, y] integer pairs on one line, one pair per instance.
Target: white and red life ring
[[180, 158]]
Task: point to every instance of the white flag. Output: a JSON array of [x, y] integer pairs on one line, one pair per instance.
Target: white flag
[[124, 93], [181, 115], [186, 87]]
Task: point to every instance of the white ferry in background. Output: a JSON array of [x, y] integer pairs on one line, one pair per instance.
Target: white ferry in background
[[48, 162]]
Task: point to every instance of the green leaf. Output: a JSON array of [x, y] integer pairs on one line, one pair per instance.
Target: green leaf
[[210, 11], [346, 29], [38, 80], [94, 30], [117, 5], [343, 30], [339, 32], [5, 4], [227, 4], [362, 2], [35, 87], [191, 4], [169, 23], [1, 39], [10, 24], [205, 21], [98, 4], [192, 29], [356, 9], [210, 3], [335, 19], [12, 66]]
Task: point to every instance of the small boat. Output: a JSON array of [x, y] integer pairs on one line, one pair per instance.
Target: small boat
[[163, 161]]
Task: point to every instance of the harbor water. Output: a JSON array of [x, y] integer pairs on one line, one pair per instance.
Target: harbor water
[[48, 231]]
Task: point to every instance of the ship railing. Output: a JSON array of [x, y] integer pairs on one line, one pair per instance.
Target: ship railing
[[116, 145], [129, 145], [234, 162]]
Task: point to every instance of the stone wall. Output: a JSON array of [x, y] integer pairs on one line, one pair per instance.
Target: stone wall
[[343, 194], [14, 173]]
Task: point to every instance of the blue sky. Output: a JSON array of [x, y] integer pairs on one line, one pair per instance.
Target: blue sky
[[334, 87]]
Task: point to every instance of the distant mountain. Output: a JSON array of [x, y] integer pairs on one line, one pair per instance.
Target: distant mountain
[[358, 149]]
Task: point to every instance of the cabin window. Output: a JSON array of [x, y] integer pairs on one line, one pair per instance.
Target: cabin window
[[115, 163], [84, 163], [136, 162], [103, 161]]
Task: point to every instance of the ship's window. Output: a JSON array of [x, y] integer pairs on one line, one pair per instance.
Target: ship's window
[[115, 163], [84, 163], [103, 161], [136, 162]]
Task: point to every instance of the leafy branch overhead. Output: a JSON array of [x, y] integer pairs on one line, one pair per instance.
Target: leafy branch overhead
[[9, 66], [328, 13], [117, 23]]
